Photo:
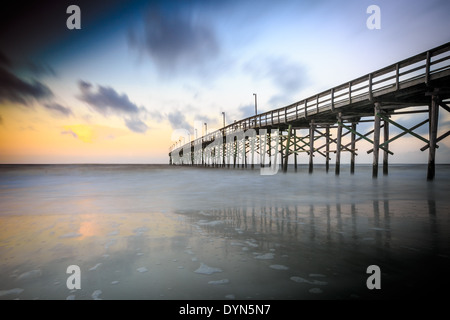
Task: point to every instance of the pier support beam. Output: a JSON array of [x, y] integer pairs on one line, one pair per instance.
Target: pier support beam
[[268, 144], [224, 145], [252, 147], [434, 118], [338, 145], [295, 150], [376, 140], [386, 145], [327, 148], [353, 147], [311, 146], [288, 142]]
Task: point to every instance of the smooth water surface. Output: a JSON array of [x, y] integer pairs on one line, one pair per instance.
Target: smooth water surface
[[166, 232]]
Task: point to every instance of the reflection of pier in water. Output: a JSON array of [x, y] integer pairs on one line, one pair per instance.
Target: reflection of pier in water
[[355, 225]]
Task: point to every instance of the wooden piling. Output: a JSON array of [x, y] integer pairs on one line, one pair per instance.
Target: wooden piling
[[281, 150], [353, 147], [252, 147], [288, 142], [269, 146], [311, 146], [235, 151], [295, 149], [338, 145], [376, 139], [386, 146], [327, 148], [224, 143], [434, 118]]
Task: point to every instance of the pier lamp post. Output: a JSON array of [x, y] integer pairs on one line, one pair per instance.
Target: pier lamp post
[[206, 129], [256, 108], [223, 113]]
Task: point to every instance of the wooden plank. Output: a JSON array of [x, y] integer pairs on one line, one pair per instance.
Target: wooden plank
[[403, 128], [445, 135], [443, 105], [400, 134]]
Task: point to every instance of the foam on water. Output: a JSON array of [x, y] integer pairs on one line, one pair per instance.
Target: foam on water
[[303, 280], [14, 292], [216, 282], [278, 267], [265, 256], [204, 269], [29, 275], [95, 295], [95, 267]]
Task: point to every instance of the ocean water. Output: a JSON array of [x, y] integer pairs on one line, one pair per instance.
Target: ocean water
[[173, 232]]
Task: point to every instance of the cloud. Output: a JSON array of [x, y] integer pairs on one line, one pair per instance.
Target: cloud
[[4, 60], [156, 115], [82, 132], [58, 109], [287, 75], [92, 133], [176, 40], [247, 111], [41, 69], [70, 132], [1, 120], [108, 101], [178, 121], [136, 125], [16, 90]]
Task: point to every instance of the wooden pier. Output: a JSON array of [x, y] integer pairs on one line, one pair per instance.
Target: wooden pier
[[417, 85]]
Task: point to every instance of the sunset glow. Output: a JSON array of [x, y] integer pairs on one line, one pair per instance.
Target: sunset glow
[[114, 90]]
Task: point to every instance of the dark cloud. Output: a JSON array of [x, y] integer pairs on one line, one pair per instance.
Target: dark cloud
[[176, 40], [41, 69], [30, 27], [58, 109], [106, 100], [5, 61], [16, 90]]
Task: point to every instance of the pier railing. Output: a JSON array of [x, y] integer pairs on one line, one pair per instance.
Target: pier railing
[[422, 68]]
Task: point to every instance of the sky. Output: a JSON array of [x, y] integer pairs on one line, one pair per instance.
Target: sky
[[115, 90]]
